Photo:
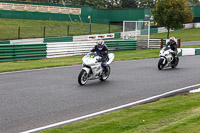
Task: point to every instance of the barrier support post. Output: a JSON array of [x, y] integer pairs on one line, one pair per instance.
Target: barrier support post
[[179, 43], [161, 43]]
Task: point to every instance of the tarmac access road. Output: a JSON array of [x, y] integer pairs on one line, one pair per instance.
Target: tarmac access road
[[36, 98], [190, 43]]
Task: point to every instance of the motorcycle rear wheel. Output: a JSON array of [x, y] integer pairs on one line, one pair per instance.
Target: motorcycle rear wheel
[[104, 75], [83, 77], [160, 65]]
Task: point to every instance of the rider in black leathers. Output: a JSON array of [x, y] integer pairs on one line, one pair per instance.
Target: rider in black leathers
[[102, 50], [173, 45]]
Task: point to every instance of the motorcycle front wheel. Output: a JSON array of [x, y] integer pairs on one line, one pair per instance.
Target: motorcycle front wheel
[[105, 75], [83, 77], [160, 64]]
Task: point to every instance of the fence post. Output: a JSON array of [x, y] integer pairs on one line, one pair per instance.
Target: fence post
[[19, 33], [90, 28], [67, 30], [109, 28], [44, 32]]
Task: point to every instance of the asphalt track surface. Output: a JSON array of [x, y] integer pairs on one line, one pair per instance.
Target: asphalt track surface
[[36, 98], [190, 43]]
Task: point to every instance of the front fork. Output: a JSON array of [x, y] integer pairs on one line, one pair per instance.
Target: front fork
[[87, 70], [164, 60]]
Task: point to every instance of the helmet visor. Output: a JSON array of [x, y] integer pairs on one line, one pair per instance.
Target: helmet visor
[[171, 40], [99, 46]]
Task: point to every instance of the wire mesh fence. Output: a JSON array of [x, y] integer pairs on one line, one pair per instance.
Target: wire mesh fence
[[42, 31]]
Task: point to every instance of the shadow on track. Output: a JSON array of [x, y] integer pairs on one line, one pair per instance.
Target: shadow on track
[[96, 84]]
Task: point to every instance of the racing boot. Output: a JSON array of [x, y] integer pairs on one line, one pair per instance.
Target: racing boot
[[106, 70]]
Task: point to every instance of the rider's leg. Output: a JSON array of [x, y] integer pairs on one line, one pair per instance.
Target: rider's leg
[[174, 54], [104, 65]]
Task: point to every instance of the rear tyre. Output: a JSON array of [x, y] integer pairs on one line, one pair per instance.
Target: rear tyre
[[83, 77], [176, 63], [105, 75], [160, 64]]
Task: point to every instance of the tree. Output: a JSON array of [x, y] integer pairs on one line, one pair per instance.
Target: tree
[[193, 2], [146, 4], [102, 4], [172, 14], [96, 3], [114, 4], [129, 3]]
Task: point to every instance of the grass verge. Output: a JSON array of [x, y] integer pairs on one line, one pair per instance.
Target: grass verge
[[174, 114], [35, 28], [191, 46], [181, 34]]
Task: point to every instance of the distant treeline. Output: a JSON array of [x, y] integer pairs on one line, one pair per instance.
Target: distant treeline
[[109, 4]]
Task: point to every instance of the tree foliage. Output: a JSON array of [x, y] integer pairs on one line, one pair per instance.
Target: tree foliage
[[193, 2], [146, 4], [172, 14], [110, 3], [102, 3], [129, 4], [113, 4]]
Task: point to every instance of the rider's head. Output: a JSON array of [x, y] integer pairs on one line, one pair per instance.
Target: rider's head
[[100, 44], [172, 39]]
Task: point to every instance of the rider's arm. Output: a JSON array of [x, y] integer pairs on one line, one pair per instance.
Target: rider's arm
[[175, 46], [94, 49], [105, 53], [168, 44]]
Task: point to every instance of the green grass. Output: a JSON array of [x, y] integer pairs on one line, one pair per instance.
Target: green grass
[[170, 115], [54, 62], [191, 46], [35, 28], [184, 35]]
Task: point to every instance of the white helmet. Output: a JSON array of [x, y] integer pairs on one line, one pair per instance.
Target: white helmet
[[172, 39], [100, 44]]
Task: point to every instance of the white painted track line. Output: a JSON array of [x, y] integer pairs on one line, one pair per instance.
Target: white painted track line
[[115, 108]]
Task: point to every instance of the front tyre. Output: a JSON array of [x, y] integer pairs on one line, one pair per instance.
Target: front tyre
[[83, 77], [160, 64], [105, 75]]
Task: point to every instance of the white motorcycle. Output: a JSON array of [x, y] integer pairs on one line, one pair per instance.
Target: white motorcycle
[[92, 68], [166, 58]]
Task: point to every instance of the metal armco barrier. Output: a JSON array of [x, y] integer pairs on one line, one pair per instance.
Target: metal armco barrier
[[59, 39], [63, 49], [4, 42], [15, 52], [78, 48], [121, 45], [153, 43]]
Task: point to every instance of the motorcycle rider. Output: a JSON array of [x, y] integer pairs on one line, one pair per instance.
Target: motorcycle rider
[[102, 50], [173, 46]]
